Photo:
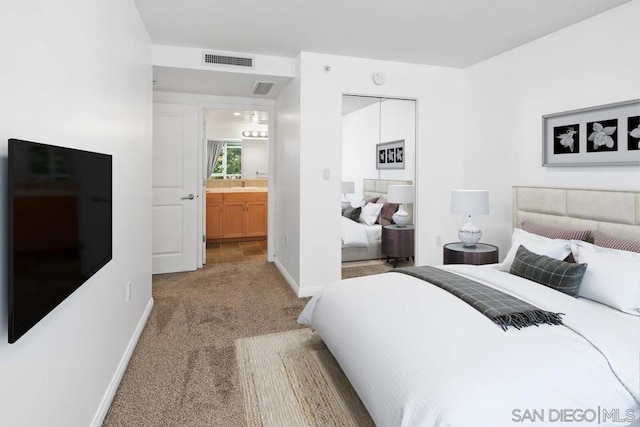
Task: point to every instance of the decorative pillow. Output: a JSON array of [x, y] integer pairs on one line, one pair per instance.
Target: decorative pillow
[[353, 234], [613, 276], [555, 274], [386, 214], [607, 241], [554, 248], [370, 199], [369, 214], [555, 233], [352, 213]]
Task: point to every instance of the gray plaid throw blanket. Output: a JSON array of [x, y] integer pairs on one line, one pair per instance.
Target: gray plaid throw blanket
[[501, 308]]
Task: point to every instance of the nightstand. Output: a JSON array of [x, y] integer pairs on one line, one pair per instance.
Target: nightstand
[[482, 253], [397, 242]]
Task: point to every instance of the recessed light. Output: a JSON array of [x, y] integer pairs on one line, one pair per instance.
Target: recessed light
[[237, 113]]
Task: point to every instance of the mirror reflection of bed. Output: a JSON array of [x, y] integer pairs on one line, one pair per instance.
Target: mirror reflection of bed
[[363, 219]]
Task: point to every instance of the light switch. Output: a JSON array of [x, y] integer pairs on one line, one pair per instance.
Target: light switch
[[326, 174]]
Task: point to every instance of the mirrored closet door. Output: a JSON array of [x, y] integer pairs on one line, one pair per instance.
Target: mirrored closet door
[[378, 180]]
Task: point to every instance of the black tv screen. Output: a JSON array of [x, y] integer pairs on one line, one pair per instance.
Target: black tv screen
[[60, 227]]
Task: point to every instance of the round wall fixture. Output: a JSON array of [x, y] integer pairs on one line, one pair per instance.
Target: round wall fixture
[[378, 78]]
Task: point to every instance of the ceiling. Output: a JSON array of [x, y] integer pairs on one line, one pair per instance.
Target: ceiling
[[455, 33]]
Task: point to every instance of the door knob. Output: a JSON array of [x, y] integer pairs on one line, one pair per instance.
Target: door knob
[[189, 197]]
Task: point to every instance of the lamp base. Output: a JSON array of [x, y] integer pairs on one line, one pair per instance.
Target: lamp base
[[469, 234], [401, 217]]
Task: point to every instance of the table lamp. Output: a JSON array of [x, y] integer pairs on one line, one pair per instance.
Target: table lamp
[[348, 187], [469, 202], [401, 194]]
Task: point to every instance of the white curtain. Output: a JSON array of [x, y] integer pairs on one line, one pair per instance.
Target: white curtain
[[213, 152]]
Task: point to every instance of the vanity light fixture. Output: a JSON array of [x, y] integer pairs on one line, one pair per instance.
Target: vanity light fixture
[[255, 133]]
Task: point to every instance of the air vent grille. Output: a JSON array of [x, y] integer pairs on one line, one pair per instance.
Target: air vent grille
[[212, 58], [262, 88]]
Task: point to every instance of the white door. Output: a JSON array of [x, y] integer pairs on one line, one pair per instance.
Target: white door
[[175, 188]]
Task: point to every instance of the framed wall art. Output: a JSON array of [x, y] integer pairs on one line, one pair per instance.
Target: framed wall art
[[606, 135], [390, 155]]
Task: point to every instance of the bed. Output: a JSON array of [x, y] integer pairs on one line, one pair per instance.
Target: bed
[[366, 244], [419, 356]]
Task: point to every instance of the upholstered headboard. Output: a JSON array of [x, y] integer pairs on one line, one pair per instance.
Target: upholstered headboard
[[379, 187], [616, 213]]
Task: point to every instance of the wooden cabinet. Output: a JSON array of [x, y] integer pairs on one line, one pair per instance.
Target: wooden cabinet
[[236, 216], [397, 242], [214, 215]]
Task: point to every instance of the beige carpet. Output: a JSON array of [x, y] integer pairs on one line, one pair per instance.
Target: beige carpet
[[183, 372], [291, 379]]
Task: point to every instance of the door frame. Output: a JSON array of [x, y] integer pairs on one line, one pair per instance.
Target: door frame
[[202, 161]]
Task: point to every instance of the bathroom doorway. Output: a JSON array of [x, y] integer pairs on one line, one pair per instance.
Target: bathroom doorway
[[236, 185]]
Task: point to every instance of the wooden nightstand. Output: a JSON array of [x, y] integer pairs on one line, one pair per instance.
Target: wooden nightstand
[[482, 253], [397, 242]]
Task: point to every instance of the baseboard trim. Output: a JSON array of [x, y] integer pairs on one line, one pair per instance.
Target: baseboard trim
[[286, 276], [98, 419]]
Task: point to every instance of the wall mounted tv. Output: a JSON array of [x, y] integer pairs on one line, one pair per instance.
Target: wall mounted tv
[[59, 202]]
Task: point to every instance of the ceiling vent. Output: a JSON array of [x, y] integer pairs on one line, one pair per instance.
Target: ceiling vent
[[262, 88], [213, 58]]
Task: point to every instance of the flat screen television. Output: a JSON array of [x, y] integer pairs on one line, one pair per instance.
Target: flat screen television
[[60, 229]]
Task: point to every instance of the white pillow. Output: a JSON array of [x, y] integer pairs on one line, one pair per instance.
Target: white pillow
[[354, 234], [554, 248], [612, 276], [369, 214]]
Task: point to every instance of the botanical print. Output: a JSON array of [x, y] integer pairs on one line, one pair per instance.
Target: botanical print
[[566, 139], [603, 136], [391, 155], [382, 158], [633, 139]]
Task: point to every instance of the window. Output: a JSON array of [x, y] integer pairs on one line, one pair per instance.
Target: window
[[229, 164]]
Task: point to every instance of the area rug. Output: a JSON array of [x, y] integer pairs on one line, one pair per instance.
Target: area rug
[[291, 379]]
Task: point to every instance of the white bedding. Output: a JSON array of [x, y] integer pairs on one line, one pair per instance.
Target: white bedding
[[356, 234], [419, 356]]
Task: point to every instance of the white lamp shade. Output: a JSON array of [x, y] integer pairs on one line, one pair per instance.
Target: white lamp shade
[[401, 194], [348, 187], [469, 202]]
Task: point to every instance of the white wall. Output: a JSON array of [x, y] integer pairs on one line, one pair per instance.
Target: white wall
[[77, 73], [591, 63], [439, 93], [287, 184]]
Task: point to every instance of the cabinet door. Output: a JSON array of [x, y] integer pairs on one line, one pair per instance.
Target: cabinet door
[[233, 213], [256, 219], [214, 220]]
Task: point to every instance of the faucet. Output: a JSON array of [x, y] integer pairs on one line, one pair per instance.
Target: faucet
[[243, 183]]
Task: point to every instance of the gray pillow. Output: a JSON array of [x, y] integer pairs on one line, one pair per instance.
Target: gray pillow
[[352, 213], [559, 275]]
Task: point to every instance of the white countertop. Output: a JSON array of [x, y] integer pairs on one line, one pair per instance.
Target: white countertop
[[237, 190]]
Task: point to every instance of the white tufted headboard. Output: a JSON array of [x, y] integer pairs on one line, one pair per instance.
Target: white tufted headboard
[[616, 213]]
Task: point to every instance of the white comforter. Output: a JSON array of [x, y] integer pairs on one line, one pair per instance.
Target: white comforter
[[419, 356], [356, 234]]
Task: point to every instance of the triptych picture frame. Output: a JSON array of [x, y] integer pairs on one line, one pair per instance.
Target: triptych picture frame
[[605, 135]]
